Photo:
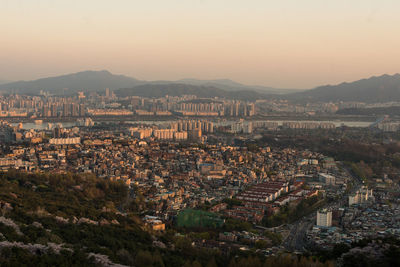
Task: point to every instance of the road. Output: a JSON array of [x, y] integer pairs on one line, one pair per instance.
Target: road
[[296, 240]]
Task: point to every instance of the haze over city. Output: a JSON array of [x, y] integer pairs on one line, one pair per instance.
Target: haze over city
[[284, 44], [194, 133]]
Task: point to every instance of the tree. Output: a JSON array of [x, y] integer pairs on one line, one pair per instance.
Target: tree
[[212, 263], [144, 258], [261, 244]]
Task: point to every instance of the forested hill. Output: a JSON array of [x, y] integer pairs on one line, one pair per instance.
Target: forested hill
[[87, 81], [383, 88], [66, 220]]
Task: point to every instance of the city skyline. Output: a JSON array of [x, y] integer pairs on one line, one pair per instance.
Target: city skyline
[[271, 43], [199, 133]]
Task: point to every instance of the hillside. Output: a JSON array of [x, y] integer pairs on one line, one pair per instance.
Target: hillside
[[67, 218], [383, 88], [81, 81], [178, 89], [80, 220], [230, 85], [89, 81]]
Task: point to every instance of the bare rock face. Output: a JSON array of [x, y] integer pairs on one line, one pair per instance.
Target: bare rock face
[[11, 223], [60, 219], [115, 222], [87, 221], [103, 260], [104, 222], [37, 225], [159, 244]]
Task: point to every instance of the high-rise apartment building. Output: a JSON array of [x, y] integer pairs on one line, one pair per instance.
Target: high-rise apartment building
[[324, 218]]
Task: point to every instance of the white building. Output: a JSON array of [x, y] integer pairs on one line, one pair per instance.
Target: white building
[[141, 133], [65, 141], [181, 135], [361, 196], [164, 134], [242, 127], [324, 218], [85, 122]]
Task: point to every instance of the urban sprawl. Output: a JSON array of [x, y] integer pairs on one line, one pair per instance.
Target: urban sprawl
[[198, 164]]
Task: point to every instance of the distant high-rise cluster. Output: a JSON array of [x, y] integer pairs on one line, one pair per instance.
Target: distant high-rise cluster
[[204, 107], [242, 127], [188, 125], [238, 108], [194, 134], [389, 126], [308, 125], [107, 104]]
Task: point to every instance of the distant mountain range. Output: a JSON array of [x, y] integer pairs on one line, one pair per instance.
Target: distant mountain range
[[90, 81], [71, 83], [179, 89], [375, 89], [3, 82], [383, 88], [230, 85]]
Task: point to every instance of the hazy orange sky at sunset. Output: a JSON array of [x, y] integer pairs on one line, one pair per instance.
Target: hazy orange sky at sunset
[[289, 44]]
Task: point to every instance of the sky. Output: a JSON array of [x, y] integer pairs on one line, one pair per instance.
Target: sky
[[278, 43]]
